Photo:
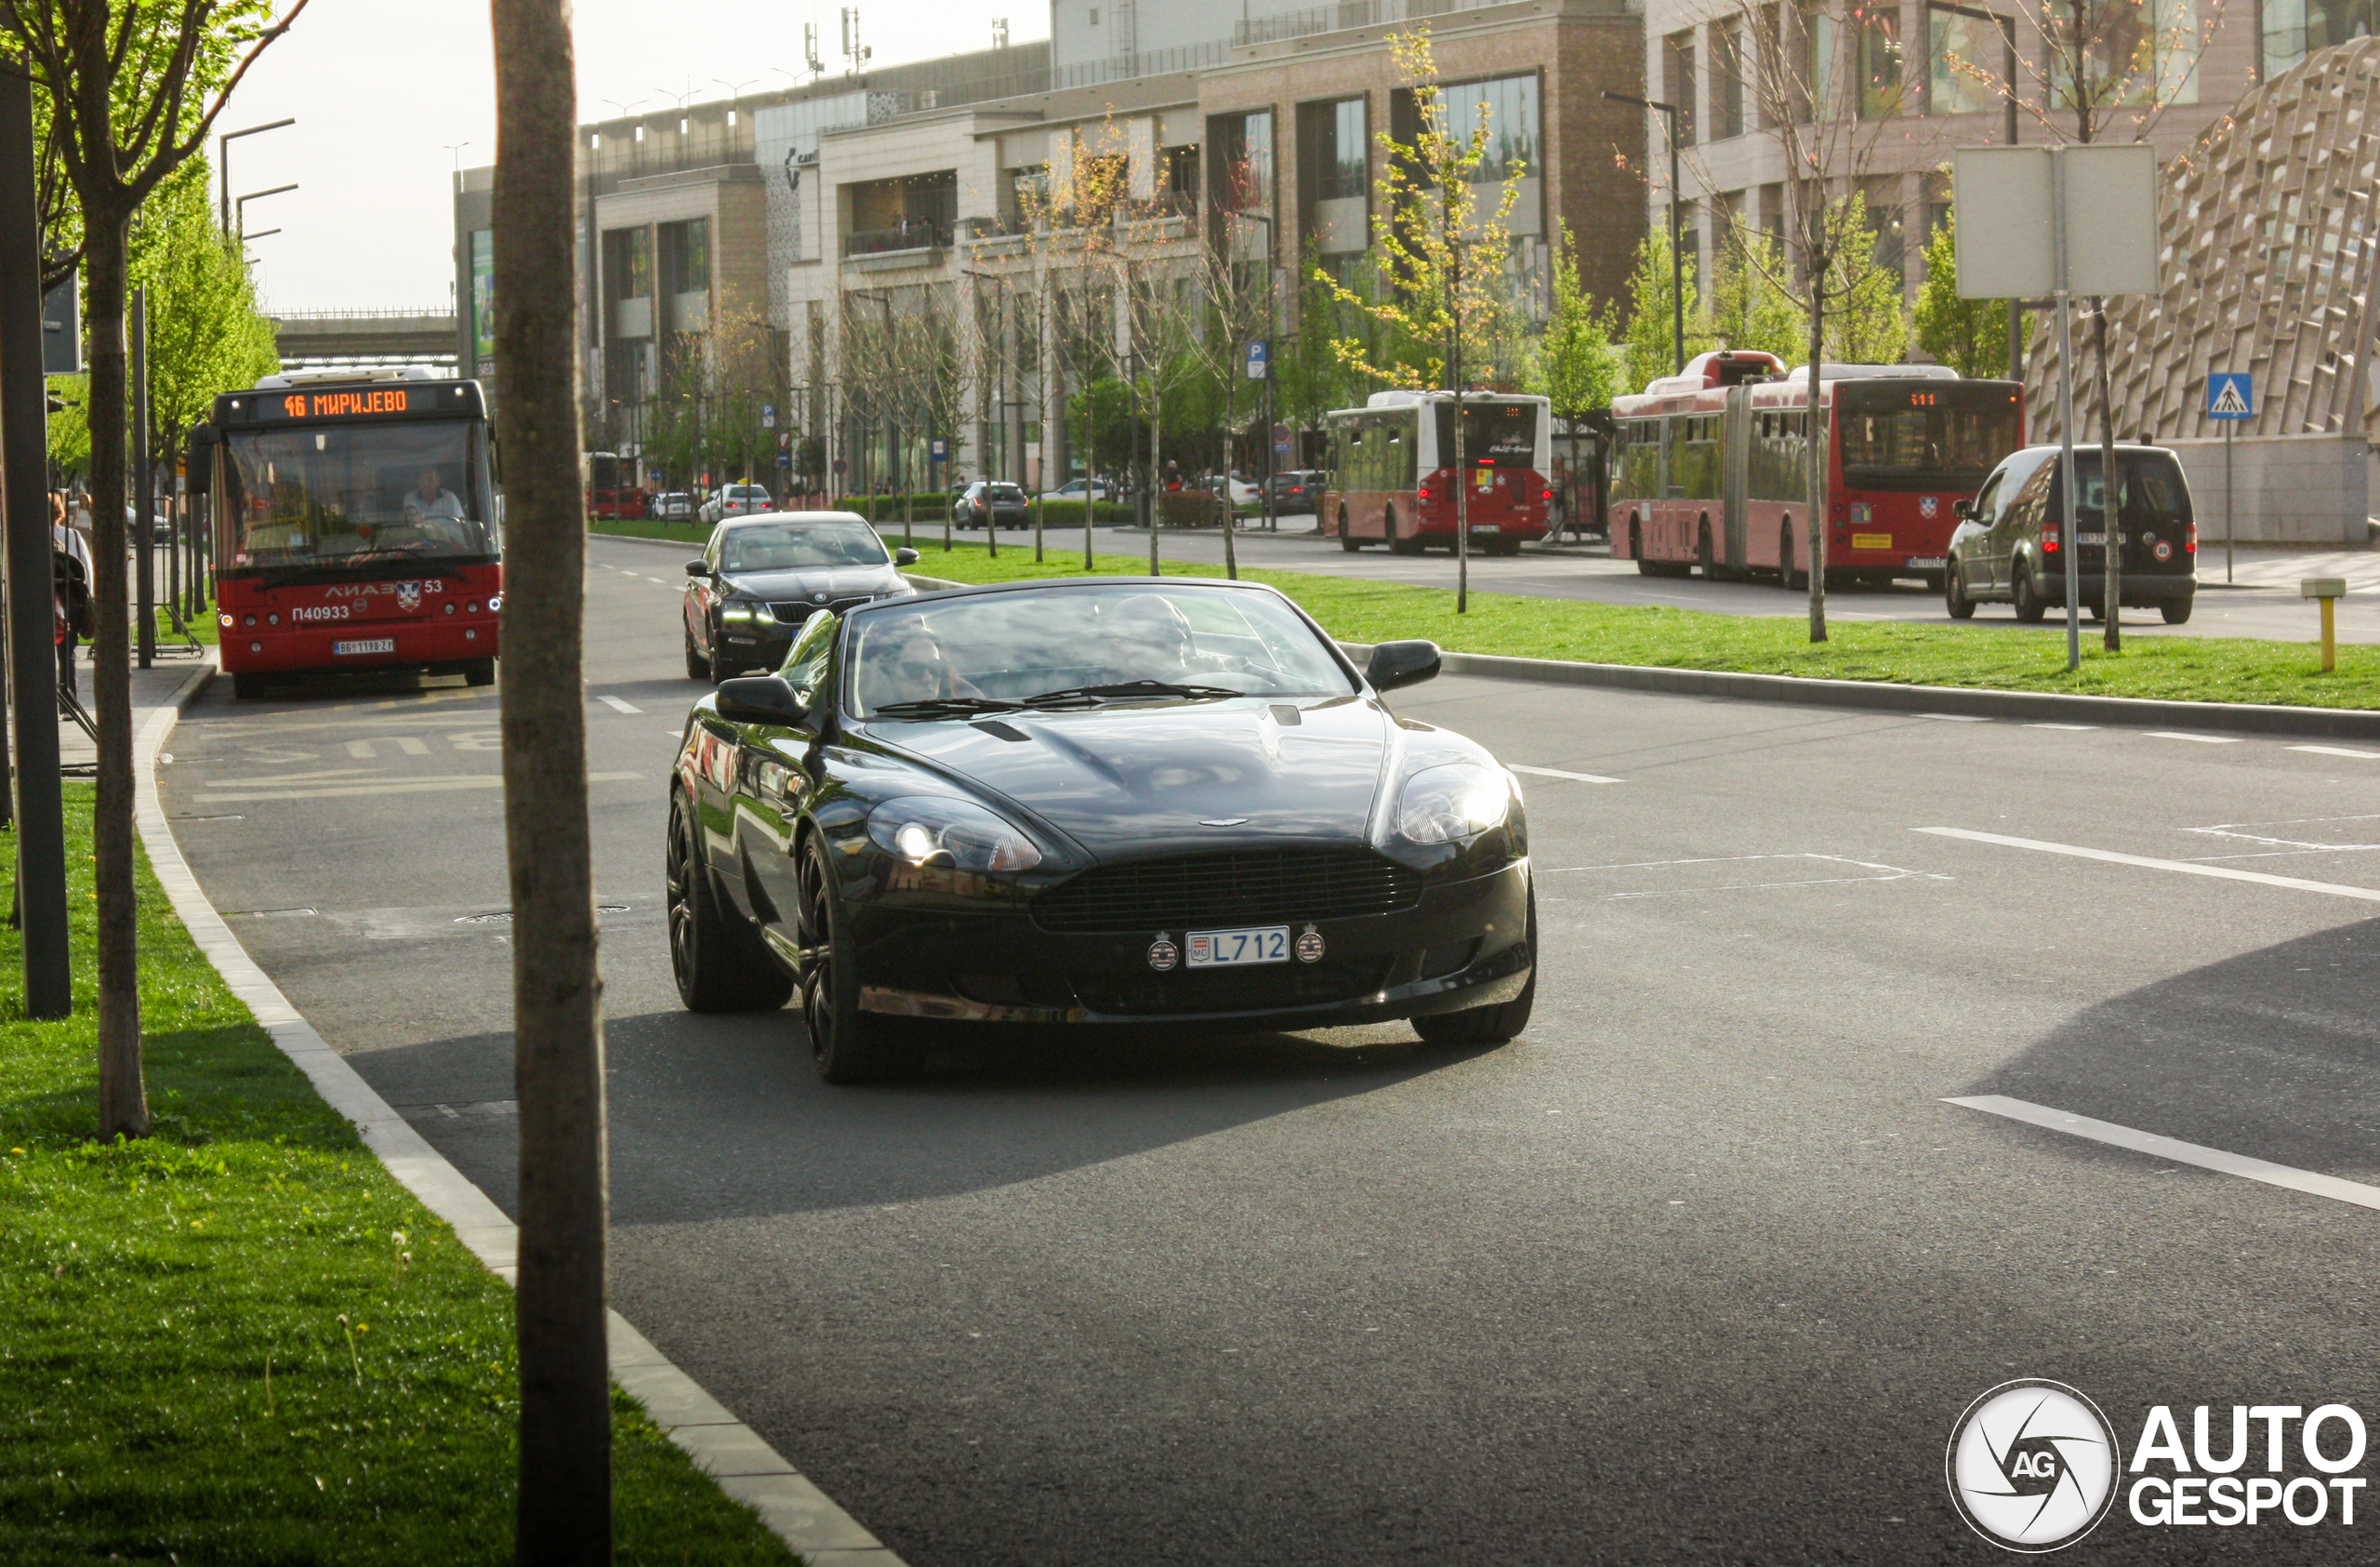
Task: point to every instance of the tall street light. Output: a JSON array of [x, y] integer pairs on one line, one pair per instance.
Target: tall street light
[[223, 161], [1677, 254], [240, 207], [2007, 25]]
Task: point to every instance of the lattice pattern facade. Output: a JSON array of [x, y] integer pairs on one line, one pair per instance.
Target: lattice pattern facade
[[2269, 259]]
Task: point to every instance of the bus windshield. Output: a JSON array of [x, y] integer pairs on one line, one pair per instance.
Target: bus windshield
[[358, 495], [1501, 434], [1938, 436]]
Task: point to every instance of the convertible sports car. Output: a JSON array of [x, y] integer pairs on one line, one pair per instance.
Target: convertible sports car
[[762, 576], [1118, 801]]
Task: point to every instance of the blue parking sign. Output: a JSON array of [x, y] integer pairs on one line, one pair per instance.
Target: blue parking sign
[[2231, 395]]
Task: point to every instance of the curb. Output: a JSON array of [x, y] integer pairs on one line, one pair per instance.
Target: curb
[[734, 1455]]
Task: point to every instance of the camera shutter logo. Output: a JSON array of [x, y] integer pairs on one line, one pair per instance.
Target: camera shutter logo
[[2032, 1466]]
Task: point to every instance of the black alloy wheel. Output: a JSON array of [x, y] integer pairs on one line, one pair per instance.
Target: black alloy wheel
[[2031, 606], [718, 963], [1496, 1023], [846, 1044], [1954, 592]]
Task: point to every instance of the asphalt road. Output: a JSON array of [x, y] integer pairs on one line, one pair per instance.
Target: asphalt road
[[1703, 1269], [2263, 602]]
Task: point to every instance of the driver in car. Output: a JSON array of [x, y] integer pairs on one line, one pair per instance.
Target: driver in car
[[910, 667]]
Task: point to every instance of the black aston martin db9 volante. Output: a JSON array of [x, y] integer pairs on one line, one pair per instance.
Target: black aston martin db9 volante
[[762, 576], [1122, 802]]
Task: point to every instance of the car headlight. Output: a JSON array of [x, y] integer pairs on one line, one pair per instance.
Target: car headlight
[[955, 834], [740, 611], [1447, 804]]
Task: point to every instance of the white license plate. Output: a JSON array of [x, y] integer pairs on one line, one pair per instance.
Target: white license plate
[[370, 645], [1233, 948], [1926, 563], [1485, 527]]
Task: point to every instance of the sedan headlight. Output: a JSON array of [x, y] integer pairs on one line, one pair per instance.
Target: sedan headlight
[[954, 834], [741, 612], [1448, 804]]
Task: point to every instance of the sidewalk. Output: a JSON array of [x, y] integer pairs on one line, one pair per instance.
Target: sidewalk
[[151, 688]]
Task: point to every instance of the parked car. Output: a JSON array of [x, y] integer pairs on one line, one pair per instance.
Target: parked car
[[1069, 805], [758, 580], [1081, 490], [991, 503], [2007, 545], [671, 506], [1297, 490], [734, 500]]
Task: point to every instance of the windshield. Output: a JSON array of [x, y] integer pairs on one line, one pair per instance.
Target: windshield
[[358, 494], [1935, 437], [1500, 434], [792, 546], [1008, 647]]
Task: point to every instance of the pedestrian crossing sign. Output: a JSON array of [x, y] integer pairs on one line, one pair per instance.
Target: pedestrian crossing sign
[[2231, 395]]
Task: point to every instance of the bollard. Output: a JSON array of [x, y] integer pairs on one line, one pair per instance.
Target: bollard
[[2330, 590]]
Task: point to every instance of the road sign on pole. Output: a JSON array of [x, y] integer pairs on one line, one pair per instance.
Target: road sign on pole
[[938, 449], [1260, 355], [2230, 396], [768, 416]]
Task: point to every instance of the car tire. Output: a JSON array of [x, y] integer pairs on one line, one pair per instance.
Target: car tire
[[846, 1044], [1347, 542], [1488, 1025], [480, 671], [2030, 604], [1703, 556], [718, 963], [718, 667], [249, 684], [697, 666], [2176, 611], [1955, 593], [1795, 581], [1398, 546], [1636, 549]]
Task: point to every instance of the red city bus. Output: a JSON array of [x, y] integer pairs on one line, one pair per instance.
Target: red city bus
[[1709, 468], [355, 528], [614, 486], [1393, 478]]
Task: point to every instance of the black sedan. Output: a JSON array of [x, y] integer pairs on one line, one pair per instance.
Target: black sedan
[[989, 503], [762, 576], [1123, 803]]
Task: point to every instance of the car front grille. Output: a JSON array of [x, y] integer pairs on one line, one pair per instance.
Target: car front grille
[[1235, 887], [793, 612]]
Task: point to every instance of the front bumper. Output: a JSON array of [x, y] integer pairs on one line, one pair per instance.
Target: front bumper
[[1460, 945], [442, 644]]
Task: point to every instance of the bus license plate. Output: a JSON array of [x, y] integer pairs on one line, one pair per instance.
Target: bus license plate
[[1235, 948], [1486, 528], [370, 645], [1927, 562]]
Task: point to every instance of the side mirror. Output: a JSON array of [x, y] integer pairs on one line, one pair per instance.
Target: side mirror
[[905, 557], [1962, 509], [1402, 663], [699, 569], [758, 698]]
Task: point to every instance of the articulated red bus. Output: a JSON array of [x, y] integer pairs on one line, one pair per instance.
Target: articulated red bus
[[1709, 468], [1393, 478], [355, 527], [615, 486]]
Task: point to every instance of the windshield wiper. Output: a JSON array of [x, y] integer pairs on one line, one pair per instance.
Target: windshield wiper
[[1128, 691], [944, 706]]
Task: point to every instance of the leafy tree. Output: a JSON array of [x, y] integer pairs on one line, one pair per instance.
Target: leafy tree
[[1576, 364], [206, 334], [132, 93], [1310, 379], [1750, 310], [1868, 326], [1651, 352], [1971, 336]]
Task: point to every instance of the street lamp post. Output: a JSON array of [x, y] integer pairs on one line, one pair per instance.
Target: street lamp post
[[2007, 25], [223, 161], [240, 208], [1677, 254]]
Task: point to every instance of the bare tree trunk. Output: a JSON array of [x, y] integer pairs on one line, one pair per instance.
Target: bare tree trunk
[[124, 1104], [2111, 514], [1231, 553], [564, 1509], [1814, 452]]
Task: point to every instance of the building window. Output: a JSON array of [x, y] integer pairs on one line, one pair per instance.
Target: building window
[[1677, 82], [1813, 88], [1882, 195], [1243, 173], [1511, 105], [1344, 165], [911, 213], [1965, 61], [1771, 218], [1727, 79], [1334, 162], [1877, 28], [1181, 166], [2134, 55]]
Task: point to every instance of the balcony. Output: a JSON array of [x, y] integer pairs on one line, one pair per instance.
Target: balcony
[[910, 233]]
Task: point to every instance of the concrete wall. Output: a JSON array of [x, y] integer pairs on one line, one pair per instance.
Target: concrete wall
[[2286, 489]]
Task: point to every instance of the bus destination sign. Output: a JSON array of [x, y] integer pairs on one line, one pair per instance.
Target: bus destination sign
[[331, 404]]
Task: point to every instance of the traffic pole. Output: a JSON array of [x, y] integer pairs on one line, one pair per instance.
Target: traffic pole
[[144, 522], [32, 654], [2229, 529]]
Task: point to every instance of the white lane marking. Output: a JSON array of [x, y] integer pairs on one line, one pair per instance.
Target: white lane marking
[[2340, 750], [1886, 873], [2180, 1152], [2202, 739], [1558, 773], [616, 705], [394, 785], [1955, 717], [2189, 868], [365, 750], [2237, 829], [2074, 726]]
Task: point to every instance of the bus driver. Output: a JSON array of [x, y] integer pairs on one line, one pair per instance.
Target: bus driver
[[431, 500]]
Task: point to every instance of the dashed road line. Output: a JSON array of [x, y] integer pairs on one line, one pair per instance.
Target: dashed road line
[[2189, 868], [617, 706], [2077, 727], [390, 786], [2340, 750], [1558, 773], [1955, 717], [2180, 1152], [2202, 739]]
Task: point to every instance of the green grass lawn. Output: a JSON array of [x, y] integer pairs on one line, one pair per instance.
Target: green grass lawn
[[695, 534], [1997, 656], [241, 1341]]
